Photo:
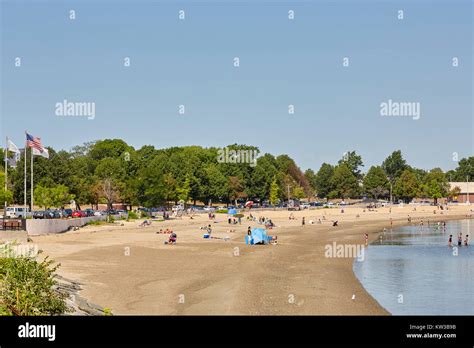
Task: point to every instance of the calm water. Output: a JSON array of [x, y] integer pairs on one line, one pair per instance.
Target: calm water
[[416, 263]]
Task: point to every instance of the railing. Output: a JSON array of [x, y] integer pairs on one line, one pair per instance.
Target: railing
[[12, 224]]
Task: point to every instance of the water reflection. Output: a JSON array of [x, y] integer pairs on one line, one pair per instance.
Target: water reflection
[[411, 270]]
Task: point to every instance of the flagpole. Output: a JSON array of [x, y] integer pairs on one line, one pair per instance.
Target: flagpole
[[31, 179], [6, 178], [24, 190]]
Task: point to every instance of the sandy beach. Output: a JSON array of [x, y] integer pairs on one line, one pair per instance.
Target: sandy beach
[[130, 270]]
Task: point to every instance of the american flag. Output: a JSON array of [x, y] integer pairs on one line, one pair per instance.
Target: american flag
[[34, 142]]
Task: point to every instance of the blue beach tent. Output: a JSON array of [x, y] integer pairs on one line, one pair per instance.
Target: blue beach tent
[[258, 235], [232, 211]]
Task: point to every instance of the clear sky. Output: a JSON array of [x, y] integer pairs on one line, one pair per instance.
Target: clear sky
[[282, 62]]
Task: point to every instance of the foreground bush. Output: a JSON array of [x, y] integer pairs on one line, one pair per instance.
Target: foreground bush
[[27, 287]]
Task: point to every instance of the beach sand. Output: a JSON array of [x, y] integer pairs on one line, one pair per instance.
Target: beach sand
[[129, 269]]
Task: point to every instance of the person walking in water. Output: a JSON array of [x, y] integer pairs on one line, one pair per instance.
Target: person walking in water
[[450, 240], [460, 239], [466, 240]]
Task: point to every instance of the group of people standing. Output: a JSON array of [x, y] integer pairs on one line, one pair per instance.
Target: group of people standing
[[460, 241]]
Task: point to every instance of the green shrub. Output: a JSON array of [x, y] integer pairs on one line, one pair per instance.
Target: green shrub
[[27, 287], [107, 311], [132, 215], [93, 223], [221, 211]]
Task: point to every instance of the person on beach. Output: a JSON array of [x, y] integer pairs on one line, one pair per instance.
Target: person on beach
[[209, 230], [172, 238], [409, 218], [391, 222], [366, 239], [334, 223], [249, 231], [450, 240], [302, 222]]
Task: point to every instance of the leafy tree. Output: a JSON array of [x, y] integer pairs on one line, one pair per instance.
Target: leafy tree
[[5, 195], [57, 196], [344, 182], [353, 161], [394, 165], [407, 186], [183, 190], [464, 170], [437, 185], [298, 192], [376, 182], [322, 181], [274, 191]]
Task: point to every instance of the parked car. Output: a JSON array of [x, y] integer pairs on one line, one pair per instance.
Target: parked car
[[78, 214], [67, 213], [39, 214], [208, 208], [305, 205], [99, 213], [55, 214], [89, 212], [316, 204]]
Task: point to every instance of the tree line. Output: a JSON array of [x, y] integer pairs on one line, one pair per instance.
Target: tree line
[[111, 171]]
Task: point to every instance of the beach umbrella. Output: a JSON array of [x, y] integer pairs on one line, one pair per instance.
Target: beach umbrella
[[248, 204]]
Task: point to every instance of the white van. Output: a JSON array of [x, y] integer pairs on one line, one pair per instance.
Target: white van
[[18, 212]]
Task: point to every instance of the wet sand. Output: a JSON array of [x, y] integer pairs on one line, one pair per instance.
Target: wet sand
[[130, 270]]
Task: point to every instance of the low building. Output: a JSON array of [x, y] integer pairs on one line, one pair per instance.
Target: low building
[[466, 192]]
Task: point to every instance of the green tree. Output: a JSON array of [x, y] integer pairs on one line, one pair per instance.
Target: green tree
[[344, 182], [353, 161], [394, 165], [437, 185], [323, 183], [464, 170], [274, 191], [5, 195], [183, 190], [376, 182], [298, 192], [57, 196], [407, 186]]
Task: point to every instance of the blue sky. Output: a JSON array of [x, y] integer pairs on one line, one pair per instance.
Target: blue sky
[[282, 62]]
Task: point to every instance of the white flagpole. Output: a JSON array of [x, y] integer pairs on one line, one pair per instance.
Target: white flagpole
[[24, 191], [6, 178], [31, 179]]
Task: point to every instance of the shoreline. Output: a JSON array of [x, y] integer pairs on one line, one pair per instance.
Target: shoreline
[[204, 277]]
